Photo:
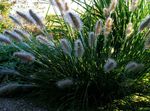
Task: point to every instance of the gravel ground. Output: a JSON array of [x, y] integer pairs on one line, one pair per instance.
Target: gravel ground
[[10, 104]]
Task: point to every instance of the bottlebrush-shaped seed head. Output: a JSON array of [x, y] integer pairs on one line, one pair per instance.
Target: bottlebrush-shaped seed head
[[129, 29], [24, 56], [79, 49], [64, 83], [131, 66], [25, 17], [106, 12], [60, 5], [108, 26], [13, 35], [42, 39], [66, 6], [145, 23], [147, 44], [110, 65], [66, 46], [36, 18], [92, 39], [22, 33], [113, 5], [98, 27], [73, 20], [5, 39], [15, 20]]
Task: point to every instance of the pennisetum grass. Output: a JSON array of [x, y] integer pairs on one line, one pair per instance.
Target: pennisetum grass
[[101, 57]]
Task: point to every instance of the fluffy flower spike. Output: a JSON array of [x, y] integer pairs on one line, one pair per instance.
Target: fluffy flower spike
[[37, 20], [73, 20], [79, 49], [98, 27], [64, 83], [4, 39], [66, 46], [24, 56], [110, 65]]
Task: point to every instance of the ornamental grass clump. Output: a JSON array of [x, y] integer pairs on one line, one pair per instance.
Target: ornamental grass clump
[[90, 63]]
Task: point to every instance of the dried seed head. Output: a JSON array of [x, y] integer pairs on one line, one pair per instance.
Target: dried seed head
[[4, 39], [24, 56], [108, 26], [25, 17], [110, 65], [98, 28], [79, 49], [37, 20], [147, 44], [92, 39], [15, 20], [106, 12], [74, 20], [145, 23], [66, 7], [113, 5], [42, 39], [133, 67], [129, 29], [66, 46], [13, 35], [64, 83], [60, 5], [133, 5], [22, 33]]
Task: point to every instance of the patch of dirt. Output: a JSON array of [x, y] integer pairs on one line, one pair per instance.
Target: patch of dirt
[[11, 104]]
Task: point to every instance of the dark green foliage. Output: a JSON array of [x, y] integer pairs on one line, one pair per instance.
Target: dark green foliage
[[93, 87]]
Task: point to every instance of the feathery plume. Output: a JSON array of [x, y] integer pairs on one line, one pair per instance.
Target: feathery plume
[[42, 39], [98, 27], [60, 5], [133, 66], [74, 20], [66, 46], [110, 65], [129, 29], [15, 20], [13, 35], [64, 83], [4, 39], [79, 49], [37, 20], [66, 7], [22, 33], [108, 26], [145, 23], [25, 56], [113, 5], [25, 17], [147, 44], [92, 39], [106, 12]]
